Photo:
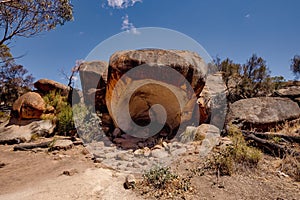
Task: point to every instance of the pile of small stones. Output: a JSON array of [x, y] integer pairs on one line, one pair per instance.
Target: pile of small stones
[[141, 159]]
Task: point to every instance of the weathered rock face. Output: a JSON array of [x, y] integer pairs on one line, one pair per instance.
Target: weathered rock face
[[93, 76], [30, 106], [19, 131], [262, 113], [212, 101], [46, 85], [290, 92], [139, 79], [201, 133]]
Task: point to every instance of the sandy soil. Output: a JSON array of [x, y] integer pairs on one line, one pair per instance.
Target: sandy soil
[[29, 175], [265, 182]]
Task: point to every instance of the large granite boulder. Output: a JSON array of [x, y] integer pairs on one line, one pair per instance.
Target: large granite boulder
[[138, 80], [29, 106], [46, 85], [93, 76], [262, 113]]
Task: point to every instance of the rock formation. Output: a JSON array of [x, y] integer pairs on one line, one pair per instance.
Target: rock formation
[[93, 76], [292, 92], [140, 79], [212, 101], [17, 131], [262, 113], [45, 86], [29, 106]]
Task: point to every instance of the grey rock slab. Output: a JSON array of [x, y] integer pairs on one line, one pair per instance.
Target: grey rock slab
[[262, 113], [292, 92], [14, 135], [19, 131]]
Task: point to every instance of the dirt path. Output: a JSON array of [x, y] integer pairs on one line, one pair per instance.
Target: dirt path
[[29, 175]]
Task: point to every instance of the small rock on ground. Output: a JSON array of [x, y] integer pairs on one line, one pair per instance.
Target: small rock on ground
[[70, 172], [62, 144], [129, 182]]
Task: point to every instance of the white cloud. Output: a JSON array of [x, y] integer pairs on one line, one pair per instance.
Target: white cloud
[[247, 16], [128, 26], [123, 4], [120, 4]]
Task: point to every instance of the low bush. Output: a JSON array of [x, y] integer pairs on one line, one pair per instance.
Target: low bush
[[291, 166], [63, 114], [236, 156], [162, 183], [159, 177], [2, 114], [87, 123], [65, 123]]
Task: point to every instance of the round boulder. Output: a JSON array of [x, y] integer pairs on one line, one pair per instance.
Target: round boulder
[[158, 88], [30, 106], [47, 85]]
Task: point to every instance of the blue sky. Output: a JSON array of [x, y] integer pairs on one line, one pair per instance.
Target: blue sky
[[231, 28]]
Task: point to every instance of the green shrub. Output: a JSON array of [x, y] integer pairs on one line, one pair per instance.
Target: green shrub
[[242, 153], [63, 114], [2, 114], [55, 99], [159, 177], [65, 123], [161, 183], [87, 123], [236, 155]]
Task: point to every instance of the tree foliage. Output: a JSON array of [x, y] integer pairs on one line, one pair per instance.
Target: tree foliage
[[295, 66], [256, 79], [251, 79], [230, 70], [25, 18], [14, 79]]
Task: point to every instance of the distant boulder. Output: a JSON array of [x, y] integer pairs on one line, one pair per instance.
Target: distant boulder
[[29, 106], [290, 92], [262, 113], [47, 85]]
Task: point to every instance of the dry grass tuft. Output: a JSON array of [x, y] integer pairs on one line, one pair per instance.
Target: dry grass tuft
[[162, 183], [235, 157], [291, 166]]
